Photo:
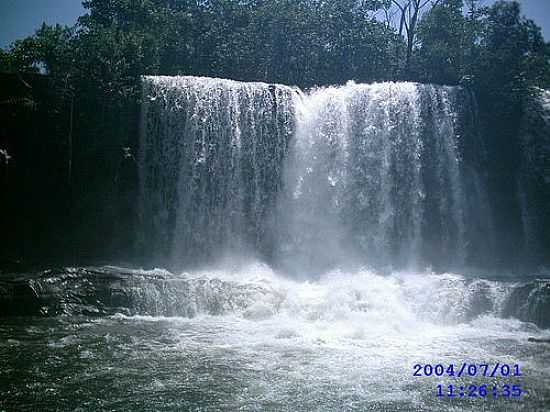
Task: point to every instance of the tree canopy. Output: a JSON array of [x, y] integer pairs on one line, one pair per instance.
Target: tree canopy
[[297, 42]]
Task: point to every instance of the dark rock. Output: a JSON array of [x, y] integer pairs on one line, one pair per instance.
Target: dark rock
[[106, 291], [530, 302], [18, 298]]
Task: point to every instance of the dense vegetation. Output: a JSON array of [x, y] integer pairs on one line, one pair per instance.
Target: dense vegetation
[[299, 42], [94, 67]]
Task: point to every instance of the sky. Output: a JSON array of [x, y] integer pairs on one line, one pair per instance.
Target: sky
[[20, 18]]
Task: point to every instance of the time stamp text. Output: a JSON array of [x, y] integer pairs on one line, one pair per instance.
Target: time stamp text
[[511, 390]]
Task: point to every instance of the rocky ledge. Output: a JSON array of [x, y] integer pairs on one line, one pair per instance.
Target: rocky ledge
[[101, 291], [530, 302], [107, 290]]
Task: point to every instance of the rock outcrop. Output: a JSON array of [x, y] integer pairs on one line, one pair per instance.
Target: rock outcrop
[[107, 290]]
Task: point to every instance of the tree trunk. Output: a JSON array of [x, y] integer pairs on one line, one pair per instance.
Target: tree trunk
[[411, 35]]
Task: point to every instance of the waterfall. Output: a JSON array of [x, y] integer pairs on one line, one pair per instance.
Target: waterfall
[[378, 175], [210, 165]]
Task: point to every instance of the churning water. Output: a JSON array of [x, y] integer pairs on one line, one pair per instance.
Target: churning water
[[258, 341]]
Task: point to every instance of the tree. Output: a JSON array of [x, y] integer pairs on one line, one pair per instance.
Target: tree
[[442, 37], [48, 51], [406, 15], [513, 55], [473, 31]]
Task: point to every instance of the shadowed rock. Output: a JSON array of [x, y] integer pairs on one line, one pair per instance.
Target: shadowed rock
[[102, 291], [106, 291], [530, 302]]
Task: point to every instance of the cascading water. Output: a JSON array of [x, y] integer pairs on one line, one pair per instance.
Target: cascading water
[[326, 188], [360, 174], [210, 165]]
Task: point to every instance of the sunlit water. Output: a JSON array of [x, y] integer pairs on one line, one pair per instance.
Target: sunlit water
[[383, 173], [342, 342]]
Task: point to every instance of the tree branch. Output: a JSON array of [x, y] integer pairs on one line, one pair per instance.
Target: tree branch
[[402, 8]]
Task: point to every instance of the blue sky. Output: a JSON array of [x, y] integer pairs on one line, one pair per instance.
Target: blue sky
[[20, 18]]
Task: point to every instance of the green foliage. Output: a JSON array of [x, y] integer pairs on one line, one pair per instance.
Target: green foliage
[[514, 56], [48, 50], [301, 42], [441, 33]]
